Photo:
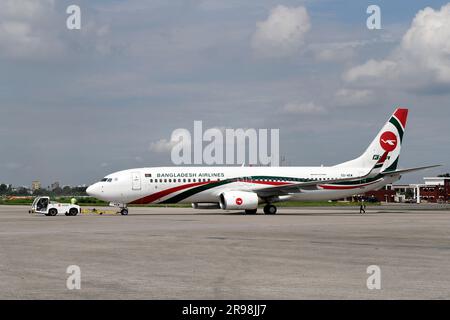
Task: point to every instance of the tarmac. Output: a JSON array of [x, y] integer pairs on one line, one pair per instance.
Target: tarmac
[[180, 253]]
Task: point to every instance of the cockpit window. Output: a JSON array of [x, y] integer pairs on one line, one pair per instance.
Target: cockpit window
[[110, 179], [104, 179]]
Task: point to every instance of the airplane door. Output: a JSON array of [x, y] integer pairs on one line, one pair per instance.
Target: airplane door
[[136, 180]]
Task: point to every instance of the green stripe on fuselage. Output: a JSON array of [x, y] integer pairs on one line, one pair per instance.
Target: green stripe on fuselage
[[356, 182], [186, 194]]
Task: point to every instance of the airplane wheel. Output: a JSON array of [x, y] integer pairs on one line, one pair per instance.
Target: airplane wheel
[[124, 212], [251, 211], [270, 209], [52, 212], [73, 212]]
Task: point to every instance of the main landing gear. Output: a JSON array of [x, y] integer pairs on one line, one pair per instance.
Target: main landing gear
[[124, 211], [270, 209]]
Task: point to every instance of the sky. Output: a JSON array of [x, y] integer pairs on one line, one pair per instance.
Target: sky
[[76, 105]]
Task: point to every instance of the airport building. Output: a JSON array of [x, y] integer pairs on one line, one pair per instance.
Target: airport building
[[35, 185], [54, 185], [385, 194], [434, 189]]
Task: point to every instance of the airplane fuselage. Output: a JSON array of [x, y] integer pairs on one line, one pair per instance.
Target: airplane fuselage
[[205, 184]]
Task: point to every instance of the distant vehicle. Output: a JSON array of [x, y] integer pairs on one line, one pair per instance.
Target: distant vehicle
[[410, 201], [244, 188], [370, 199], [45, 206]]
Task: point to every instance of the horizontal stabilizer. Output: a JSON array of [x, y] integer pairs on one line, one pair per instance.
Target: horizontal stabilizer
[[409, 170]]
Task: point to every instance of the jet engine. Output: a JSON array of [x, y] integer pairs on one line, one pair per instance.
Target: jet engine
[[237, 200]]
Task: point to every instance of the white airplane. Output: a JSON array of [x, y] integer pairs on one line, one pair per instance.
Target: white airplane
[[244, 188]]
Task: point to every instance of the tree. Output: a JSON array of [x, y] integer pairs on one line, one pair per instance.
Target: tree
[[67, 190], [3, 189], [409, 194], [20, 192], [41, 192], [57, 191], [444, 175]]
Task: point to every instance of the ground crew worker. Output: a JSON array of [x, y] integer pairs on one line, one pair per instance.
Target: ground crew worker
[[362, 207]]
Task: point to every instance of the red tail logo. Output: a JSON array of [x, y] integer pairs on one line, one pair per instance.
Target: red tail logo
[[388, 141]]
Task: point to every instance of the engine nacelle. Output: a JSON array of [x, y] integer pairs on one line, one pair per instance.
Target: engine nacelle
[[238, 200]]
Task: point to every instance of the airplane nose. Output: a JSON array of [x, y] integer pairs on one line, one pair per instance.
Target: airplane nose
[[92, 190]]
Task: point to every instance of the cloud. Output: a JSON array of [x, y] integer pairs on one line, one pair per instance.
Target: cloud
[[25, 28], [353, 97], [283, 33], [12, 165], [162, 146], [335, 54], [329, 51], [421, 60], [303, 108], [36, 30], [373, 69]]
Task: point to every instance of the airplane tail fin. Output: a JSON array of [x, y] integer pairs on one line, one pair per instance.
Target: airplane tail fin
[[384, 151]]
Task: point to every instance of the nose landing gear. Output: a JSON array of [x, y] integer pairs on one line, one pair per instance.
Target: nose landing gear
[[124, 211]]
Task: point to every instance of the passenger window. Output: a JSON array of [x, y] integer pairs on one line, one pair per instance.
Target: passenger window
[[170, 180], [184, 180]]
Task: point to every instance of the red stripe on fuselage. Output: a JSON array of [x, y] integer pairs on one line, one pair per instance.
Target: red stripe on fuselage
[[155, 196], [272, 183]]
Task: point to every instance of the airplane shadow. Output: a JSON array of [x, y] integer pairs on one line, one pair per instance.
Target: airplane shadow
[[323, 214]]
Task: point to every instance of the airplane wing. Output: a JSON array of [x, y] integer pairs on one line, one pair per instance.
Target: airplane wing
[[395, 172], [300, 187], [313, 185]]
